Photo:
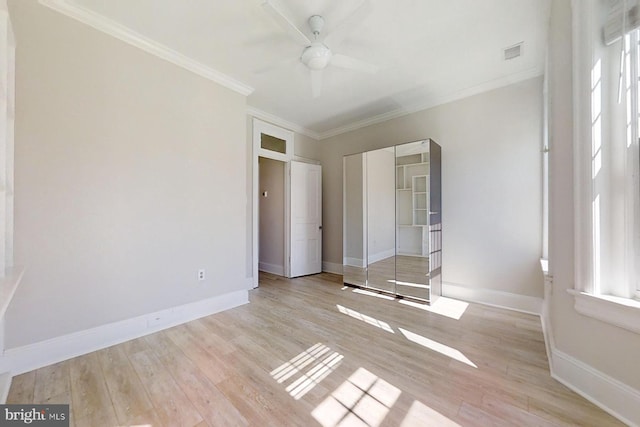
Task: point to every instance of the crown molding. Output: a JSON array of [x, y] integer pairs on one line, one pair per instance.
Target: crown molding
[[279, 121], [129, 36], [435, 101], [430, 103]]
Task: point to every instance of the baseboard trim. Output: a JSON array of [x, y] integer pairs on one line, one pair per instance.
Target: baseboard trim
[[271, 268], [5, 385], [545, 320], [516, 302], [611, 395], [331, 267], [379, 256], [33, 356], [355, 262]]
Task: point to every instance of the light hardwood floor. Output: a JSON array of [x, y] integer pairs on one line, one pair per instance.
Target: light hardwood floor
[[309, 352]]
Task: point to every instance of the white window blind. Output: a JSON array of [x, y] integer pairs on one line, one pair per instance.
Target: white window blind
[[616, 20]]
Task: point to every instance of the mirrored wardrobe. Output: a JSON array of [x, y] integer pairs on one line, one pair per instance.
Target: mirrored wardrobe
[[393, 220]]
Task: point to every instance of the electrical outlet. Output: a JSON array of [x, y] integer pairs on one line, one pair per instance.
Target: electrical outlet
[[201, 274]]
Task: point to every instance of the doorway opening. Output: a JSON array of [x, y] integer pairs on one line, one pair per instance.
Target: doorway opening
[[287, 237], [270, 143], [271, 212]]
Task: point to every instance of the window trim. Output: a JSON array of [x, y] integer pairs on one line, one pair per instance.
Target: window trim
[[621, 312], [582, 20]]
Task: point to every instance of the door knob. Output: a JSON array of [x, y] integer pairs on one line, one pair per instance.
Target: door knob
[[319, 227]]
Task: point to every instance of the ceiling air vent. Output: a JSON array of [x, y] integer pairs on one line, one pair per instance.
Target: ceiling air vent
[[512, 52]]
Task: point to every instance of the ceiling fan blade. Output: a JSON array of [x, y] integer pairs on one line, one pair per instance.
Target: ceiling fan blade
[[285, 23], [344, 61], [342, 30], [316, 83]]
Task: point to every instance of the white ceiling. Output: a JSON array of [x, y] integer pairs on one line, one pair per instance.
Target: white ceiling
[[428, 51]]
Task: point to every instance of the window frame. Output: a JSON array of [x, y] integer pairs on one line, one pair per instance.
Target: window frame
[[260, 127], [593, 298]]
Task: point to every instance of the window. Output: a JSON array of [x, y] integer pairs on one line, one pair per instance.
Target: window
[[269, 142], [272, 141], [607, 161], [632, 71], [631, 87]]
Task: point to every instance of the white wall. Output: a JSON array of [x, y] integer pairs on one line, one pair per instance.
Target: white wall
[[491, 184], [381, 204], [130, 176], [271, 221], [307, 147], [355, 211]]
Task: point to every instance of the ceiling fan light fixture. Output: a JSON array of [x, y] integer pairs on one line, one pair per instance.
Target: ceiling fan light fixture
[[316, 56]]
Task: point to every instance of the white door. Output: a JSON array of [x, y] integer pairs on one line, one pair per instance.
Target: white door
[[306, 219]]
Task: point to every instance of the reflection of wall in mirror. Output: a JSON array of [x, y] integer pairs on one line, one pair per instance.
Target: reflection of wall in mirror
[[354, 211], [380, 204]]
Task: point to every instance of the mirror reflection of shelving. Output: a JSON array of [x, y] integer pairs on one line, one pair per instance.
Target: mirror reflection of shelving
[[412, 197], [392, 196]]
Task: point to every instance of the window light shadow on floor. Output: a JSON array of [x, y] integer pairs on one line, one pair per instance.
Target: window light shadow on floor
[[437, 347], [320, 361], [443, 306], [373, 294], [363, 399], [410, 284], [420, 414], [367, 319]]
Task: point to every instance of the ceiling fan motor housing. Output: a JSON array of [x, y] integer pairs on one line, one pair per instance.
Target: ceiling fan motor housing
[[316, 23], [316, 56]]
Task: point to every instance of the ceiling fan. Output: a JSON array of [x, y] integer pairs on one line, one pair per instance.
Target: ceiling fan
[[317, 54]]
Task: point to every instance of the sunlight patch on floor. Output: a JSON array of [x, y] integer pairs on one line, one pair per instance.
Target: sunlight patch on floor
[[443, 306], [421, 415], [292, 367], [363, 399], [363, 317], [321, 362], [437, 347], [410, 284], [373, 294]]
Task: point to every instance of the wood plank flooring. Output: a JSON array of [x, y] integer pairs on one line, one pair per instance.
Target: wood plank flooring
[[309, 352]]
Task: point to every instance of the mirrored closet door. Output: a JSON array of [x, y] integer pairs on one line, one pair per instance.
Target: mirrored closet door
[[392, 220]]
